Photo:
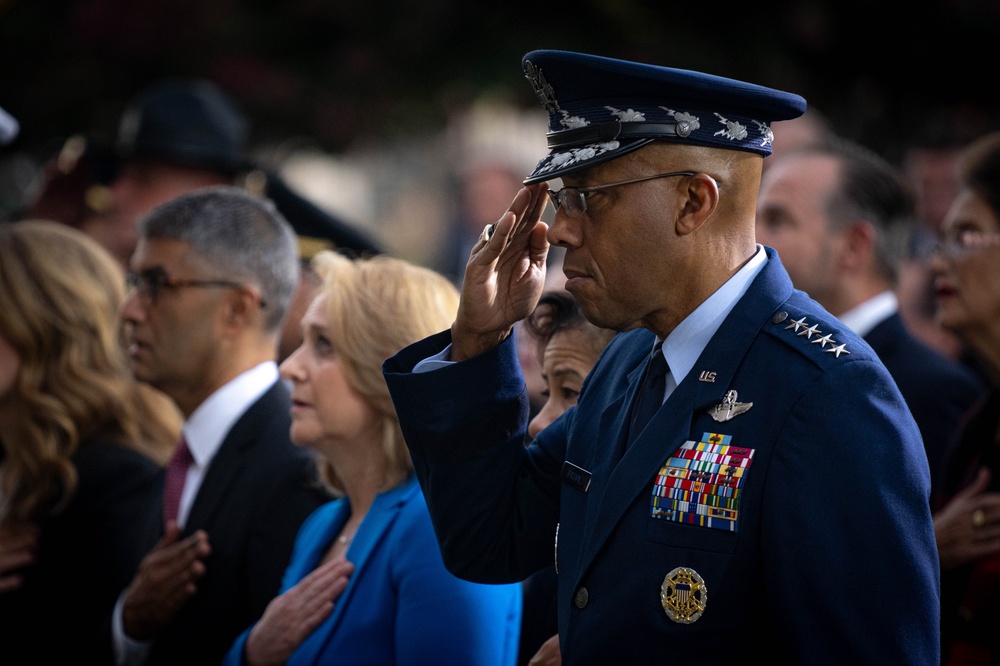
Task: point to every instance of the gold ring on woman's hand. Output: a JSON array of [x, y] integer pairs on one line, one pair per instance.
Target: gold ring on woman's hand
[[978, 518]]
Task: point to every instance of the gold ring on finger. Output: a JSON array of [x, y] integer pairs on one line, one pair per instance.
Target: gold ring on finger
[[978, 518]]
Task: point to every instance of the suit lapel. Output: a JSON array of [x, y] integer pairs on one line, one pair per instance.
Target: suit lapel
[[373, 529], [229, 459]]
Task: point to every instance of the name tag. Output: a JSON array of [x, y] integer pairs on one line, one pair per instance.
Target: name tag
[[575, 476]]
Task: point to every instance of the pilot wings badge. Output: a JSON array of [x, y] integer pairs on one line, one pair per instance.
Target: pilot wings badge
[[728, 408]]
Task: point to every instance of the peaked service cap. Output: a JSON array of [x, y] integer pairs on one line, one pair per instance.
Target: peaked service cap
[[602, 108], [185, 122]]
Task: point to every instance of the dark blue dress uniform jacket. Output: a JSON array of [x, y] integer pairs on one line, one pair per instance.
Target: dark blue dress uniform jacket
[[832, 560]]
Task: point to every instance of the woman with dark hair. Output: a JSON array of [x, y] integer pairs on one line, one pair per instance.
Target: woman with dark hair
[[80, 443], [568, 347], [966, 268]]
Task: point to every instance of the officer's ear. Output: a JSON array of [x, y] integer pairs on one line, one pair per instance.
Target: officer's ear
[[702, 194]]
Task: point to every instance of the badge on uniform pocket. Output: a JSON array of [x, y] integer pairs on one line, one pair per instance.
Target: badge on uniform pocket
[[683, 595], [700, 484]]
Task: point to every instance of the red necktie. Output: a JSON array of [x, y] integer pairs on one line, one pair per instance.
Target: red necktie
[[176, 475]]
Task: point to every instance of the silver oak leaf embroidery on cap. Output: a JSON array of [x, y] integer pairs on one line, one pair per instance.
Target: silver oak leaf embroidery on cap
[[767, 136], [733, 130], [572, 122], [627, 116], [566, 158]]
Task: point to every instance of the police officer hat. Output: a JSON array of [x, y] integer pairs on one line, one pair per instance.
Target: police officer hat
[[194, 123], [186, 122], [601, 108]]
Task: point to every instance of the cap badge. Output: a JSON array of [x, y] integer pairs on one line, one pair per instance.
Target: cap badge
[[546, 94], [728, 408], [683, 595]]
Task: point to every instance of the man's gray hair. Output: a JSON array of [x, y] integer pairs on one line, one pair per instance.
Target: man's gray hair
[[241, 236]]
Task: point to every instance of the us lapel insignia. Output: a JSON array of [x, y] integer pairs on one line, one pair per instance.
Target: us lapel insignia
[[728, 408], [683, 595]]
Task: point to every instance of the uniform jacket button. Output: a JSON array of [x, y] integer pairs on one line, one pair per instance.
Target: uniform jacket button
[[581, 597]]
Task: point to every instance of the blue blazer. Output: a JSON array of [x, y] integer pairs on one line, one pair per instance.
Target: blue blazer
[[809, 541], [400, 606]]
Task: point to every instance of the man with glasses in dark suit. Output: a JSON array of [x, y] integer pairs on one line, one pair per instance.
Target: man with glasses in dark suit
[[213, 274]]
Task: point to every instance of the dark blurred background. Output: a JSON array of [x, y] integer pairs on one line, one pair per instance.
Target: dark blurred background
[[347, 71], [343, 75]]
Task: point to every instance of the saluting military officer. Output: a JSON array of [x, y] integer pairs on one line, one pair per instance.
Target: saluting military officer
[[775, 503]]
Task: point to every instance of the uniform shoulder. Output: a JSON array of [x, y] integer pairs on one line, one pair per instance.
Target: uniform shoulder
[[805, 327]]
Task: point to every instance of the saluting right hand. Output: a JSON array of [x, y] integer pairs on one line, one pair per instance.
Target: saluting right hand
[[504, 277]]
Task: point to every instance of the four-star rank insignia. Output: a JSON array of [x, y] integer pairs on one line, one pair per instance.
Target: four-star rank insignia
[[812, 333], [683, 595]]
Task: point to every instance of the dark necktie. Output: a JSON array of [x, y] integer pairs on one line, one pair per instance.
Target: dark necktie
[[649, 398], [176, 475]]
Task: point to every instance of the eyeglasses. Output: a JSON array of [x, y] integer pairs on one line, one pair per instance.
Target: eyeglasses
[[964, 243], [573, 200], [150, 283]]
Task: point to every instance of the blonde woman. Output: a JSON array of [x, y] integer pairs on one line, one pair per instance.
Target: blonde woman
[[80, 442], [366, 584]]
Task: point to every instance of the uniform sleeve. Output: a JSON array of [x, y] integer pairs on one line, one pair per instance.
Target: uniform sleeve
[[852, 565], [493, 501]]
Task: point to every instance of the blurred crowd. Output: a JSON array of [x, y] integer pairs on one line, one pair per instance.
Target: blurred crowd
[[141, 354]]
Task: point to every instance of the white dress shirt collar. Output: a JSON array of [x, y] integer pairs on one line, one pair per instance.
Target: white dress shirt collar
[[864, 317], [688, 340], [211, 421]]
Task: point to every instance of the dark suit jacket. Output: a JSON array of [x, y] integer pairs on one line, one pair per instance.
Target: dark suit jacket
[[256, 493], [801, 527], [86, 556], [937, 390]]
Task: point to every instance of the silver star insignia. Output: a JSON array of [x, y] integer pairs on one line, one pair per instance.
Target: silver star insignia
[[825, 340], [838, 350], [808, 332], [796, 324]]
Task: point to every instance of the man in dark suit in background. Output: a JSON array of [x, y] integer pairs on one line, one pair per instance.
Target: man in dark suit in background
[[841, 218], [213, 274]]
